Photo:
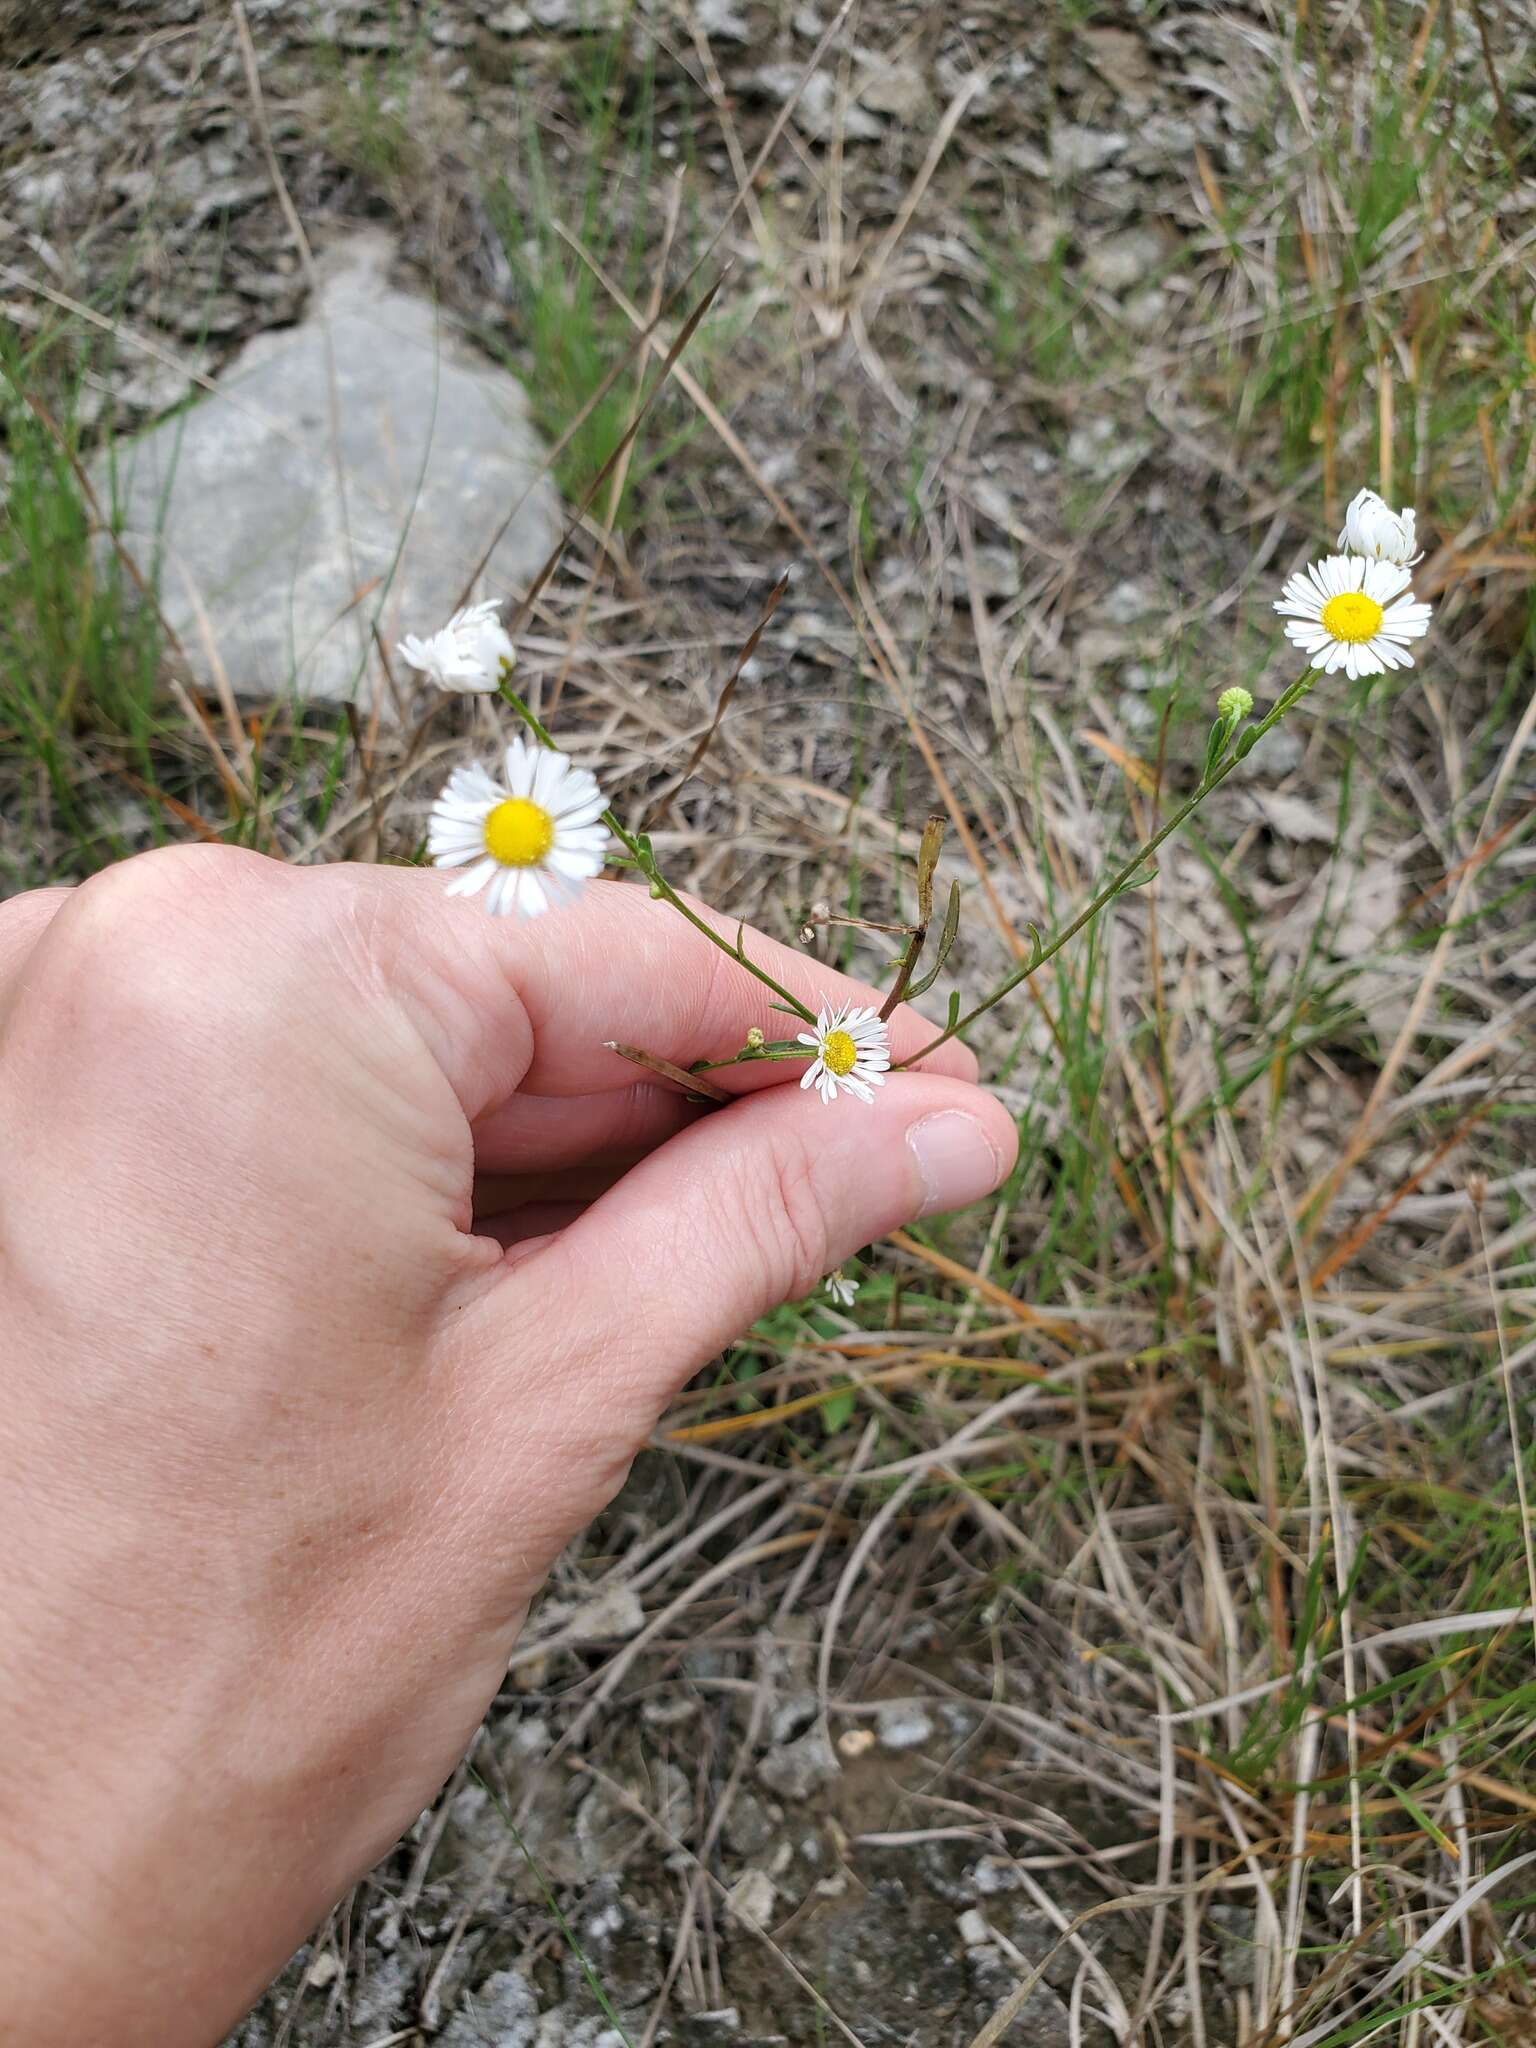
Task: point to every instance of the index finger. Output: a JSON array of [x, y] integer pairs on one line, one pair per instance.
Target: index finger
[[620, 965]]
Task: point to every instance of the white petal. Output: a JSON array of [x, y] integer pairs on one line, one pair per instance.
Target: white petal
[[472, 880], [1386, 580], [577, 811]]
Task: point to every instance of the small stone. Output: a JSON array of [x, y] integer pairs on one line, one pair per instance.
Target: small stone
[[509, 21], [1100, 448], [1119, 55], [718, 2029], [752, 1897], [855, 1742], [903, 1724], [577, 17], [1237, 1955], [1077, 151], [325, 1969], [613, 1615], [1127, 601], [896, 89], [792, 1716], [1147, 310], [994, 1874], [669, 1710], [503, 2012], [722, 21], [1120, 262], [749, 1825], [1099, 648], [973, 1928], [818, 110], [795, 1769]]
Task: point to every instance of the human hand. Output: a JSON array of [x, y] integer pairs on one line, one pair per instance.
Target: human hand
[[289, 1439]]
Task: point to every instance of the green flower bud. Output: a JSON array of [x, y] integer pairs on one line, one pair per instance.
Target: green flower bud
[[1235, 703], [755, 1039]]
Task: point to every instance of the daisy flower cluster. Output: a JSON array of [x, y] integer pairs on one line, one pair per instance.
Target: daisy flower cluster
[[1355, 611]]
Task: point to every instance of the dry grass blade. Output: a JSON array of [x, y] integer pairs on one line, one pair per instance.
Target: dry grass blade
[[621, 449], [697, 1086], [727, 691]]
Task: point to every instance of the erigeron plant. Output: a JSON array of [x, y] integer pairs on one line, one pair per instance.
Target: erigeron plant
[[531, 839]]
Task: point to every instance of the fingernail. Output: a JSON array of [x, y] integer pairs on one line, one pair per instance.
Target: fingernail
[[957, 1160]]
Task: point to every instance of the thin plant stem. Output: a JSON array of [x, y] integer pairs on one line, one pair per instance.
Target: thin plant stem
[[1117, 882], [645, 860]]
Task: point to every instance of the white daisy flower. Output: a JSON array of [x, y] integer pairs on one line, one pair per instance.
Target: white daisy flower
[[853, 1050], [530, 841], [469, 654], [1347, 613], [841, 1288], [1373, 529]]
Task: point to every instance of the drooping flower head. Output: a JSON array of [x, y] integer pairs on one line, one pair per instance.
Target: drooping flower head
[[1374, 530], [1351, 614], [841, 1288], [471, 653], [853, 1051], [531, 841], [1235, 703]]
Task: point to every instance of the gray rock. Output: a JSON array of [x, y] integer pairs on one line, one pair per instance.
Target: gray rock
[[752, 1897], [749, 1825], [1075, 151], [722, 21], [1120, 262], [284, 535], [1045, 2021], [573, 17], [898, 89], [718, 2029], [903, 1724], [795, 1769], [503, 2013]]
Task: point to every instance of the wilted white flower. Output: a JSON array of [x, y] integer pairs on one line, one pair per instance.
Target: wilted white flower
[[1373, 529], [472, 652], [853, 1050], [535, 838], [1350, 614], [841, 1288]]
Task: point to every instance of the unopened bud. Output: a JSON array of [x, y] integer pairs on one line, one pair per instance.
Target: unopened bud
[[755, 1039], [1235, 703]]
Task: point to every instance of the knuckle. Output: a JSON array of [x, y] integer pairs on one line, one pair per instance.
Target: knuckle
[[792, 1224], [175, 883], [151, 937]]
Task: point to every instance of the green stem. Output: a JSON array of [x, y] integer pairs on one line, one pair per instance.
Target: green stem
[[645, 860], [1116, 884], [775, 1049]]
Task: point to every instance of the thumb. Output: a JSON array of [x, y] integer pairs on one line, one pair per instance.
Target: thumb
[[751, 1207]]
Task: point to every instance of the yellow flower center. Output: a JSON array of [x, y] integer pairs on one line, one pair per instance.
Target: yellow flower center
[[839, 1052], [519, 833], [1352, 616]]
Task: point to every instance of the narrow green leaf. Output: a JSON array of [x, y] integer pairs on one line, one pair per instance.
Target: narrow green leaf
[[946, 941]]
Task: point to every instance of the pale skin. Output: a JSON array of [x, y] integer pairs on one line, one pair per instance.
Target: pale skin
[[342, 1274]]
